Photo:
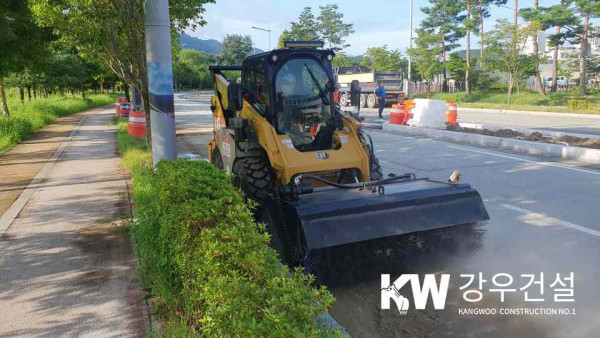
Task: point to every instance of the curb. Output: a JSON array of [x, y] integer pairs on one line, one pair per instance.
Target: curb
[[591, 156], [527, 112], [527, 131]]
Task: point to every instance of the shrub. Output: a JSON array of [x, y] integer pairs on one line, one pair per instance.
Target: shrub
[[207, 263], [579, 105]]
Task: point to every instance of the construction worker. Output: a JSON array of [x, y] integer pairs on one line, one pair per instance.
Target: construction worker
[[380, 92]]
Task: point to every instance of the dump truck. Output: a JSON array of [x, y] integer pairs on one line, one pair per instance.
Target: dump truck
[[368, 81], [312, 169]]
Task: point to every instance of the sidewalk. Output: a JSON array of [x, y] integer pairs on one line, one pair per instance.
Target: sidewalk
[[65, 270]]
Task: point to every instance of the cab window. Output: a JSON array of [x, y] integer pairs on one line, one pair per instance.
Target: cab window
[[256, 89]]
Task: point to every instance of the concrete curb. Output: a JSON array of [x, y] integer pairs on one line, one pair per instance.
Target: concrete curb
[[526, 131], [526, 112], [585, 155]]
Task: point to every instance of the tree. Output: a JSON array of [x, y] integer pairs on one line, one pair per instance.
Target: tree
[[190, 69], [306, 28], [538, 23], [505, 51], [483, 11], [383, 60], [285, 36], [586, 9], [113, 31], [235, 48], [458, 68], [559, 16], [469, 24], [332, 28], [342, 60], [426, 55], [22, 42], [444, 18]]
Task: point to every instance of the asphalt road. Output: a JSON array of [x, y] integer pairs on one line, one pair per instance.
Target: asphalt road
[[544, 218], [572, 124]]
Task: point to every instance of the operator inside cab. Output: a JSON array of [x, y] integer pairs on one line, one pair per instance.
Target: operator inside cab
[[303, 96]]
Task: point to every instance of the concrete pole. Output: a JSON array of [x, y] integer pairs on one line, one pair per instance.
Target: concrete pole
[[409, 82], [160, 80]]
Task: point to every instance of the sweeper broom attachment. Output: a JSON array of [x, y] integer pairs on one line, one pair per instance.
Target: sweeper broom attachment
[[331, 230]]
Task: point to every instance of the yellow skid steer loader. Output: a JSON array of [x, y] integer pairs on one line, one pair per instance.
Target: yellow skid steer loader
[[311, 167]]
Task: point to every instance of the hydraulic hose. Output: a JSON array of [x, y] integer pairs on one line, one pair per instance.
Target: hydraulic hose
[[357, 185]]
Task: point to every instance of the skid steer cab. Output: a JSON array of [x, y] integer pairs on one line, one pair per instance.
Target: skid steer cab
[[310, 166]]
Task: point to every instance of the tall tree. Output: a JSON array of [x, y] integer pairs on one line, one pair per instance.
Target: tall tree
[[332, 28], [235, 48], [444, 17], [306, 28], [469, 25], [22, 42], [483, 11], [586, 9], [559, 16], [113, 31], [538, 23]]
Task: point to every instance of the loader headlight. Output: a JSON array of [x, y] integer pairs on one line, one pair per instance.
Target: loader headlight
[[329, 57], [274, 58]]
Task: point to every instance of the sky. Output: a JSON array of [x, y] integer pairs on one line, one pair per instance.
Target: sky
[[378, 23]]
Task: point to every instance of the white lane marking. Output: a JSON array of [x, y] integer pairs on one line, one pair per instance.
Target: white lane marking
[[549, 164], [552, 221]]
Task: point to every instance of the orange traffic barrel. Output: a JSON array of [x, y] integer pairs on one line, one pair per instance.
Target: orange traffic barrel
[[120, 100], [137, 124], [408, 110], [397, 115], [451, 113]]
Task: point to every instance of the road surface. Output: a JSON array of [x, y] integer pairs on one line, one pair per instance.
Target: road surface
[[544, 218], [568, 124]]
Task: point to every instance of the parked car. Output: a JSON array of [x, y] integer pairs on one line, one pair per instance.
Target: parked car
[[561, 81]]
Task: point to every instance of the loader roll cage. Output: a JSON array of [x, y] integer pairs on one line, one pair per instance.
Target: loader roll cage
[[291, 111]]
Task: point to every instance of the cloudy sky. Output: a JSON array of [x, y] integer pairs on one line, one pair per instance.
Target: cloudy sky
[[376, 23]]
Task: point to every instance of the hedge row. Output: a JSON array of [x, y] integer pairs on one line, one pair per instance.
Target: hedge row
[[204, 260]]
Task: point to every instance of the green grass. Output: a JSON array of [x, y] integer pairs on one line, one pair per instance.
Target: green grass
[[134, 151], [29, 117], [526, 100], [205, 262]]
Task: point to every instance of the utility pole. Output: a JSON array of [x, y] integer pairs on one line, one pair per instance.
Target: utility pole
[[268, 30], [160, 79], [409, 82]]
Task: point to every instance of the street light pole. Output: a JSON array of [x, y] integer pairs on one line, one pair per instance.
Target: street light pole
[[268, 30], [409, 82], [160, 79]]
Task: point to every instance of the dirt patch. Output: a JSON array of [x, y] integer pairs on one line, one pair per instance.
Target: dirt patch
[[565, 140]]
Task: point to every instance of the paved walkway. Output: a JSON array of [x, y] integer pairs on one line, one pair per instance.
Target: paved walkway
[[65, 269], [20, 164]]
